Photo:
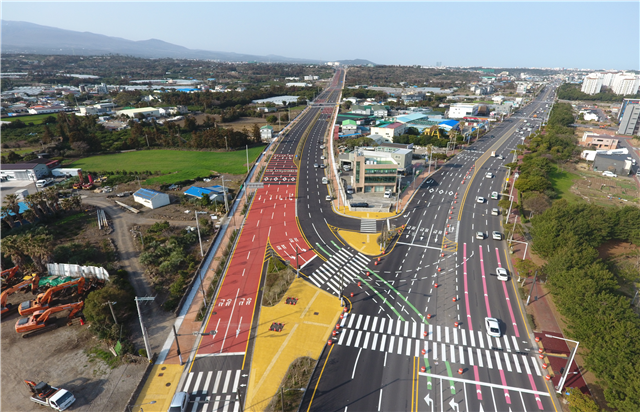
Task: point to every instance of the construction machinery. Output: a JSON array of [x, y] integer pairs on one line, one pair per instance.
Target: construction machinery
[[89, 184], [7, 276], [8, 309], [43, 300], [40, 321], [78, 185], [432, 131], [47, 395]]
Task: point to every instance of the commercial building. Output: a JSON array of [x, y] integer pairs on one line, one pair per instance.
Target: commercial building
[[266, 133], [143, 111], [592, 83], [598, 141], [377, 170], [629, 117], [389, 130], [619, 164], [24, 171], [626, 83], [460, 110], [48, 109], [151, 198]]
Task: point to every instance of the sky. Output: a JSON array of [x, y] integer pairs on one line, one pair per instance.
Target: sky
[[571, 34]]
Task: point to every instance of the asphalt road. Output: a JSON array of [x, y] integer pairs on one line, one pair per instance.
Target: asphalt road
[[376, 361]]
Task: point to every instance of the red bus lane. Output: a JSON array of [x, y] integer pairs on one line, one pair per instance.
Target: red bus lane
[[271, 219]]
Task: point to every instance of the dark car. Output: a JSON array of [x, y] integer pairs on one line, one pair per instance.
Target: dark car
[[360, 204]]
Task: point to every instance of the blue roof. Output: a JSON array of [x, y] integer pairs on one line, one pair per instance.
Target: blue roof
[[411, 117], [450, 122], [147, 193], [197, 191]]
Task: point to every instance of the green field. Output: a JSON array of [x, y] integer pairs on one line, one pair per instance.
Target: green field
[[561, 181], [33, 118], [182, 165]]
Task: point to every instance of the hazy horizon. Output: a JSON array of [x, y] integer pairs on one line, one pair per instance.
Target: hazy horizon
[[491, 34]]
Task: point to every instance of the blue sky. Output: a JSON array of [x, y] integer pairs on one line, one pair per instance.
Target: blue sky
[[597, 35]]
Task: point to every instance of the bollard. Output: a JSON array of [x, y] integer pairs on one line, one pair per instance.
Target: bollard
[[436, 285], [334, 333], [379, 259], [352, 294], [541, 356], [375, 263], [446, 232], [453, 299], [547, 377], [337, 326], [368, 273], [439, 270], [537, 339], [359, 284], [445, 246], [540, 350], [544, 366], [425, 333], [345, 309], [423, 368], [428, 317], [424, 351], [456, 324], [330, 342], [442, 255], [342, 316], [460, 371]]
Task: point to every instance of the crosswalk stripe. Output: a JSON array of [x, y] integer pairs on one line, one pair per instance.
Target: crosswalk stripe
[[439, 333], [406, 329], [444, 352], [421, 330], [399, 345], [498, 344], [417, 348], [435, 350], [215, 385], [489, 363], [426, 348], [391, 344], [431, 332], [352, 317], [382, 324], [390, 326], [515, 361], [414, 330], [373, 324], [186, 385], [365, 344], [506, 361], [359, 321], [498, 362], [358, 338], [461, 354], [480, 339], [398, 326], [366, 322], [446, 334], [375, 340], [351, 333], [526, 365], [382, 342], [453, 353], [470, 351], [535, 366], [515, 343], [315, 281], [506, 343], [480, 363], [472, 338], [455, 335], [216, 403], [236, 381], [227, 378], [207, 381], [463, 334], [227, 400], [341, 338]]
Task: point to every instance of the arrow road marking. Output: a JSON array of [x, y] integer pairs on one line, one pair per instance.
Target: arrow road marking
[[429, 401]]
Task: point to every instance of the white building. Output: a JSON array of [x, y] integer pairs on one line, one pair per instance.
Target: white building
[[24, 171], [143, 111], [266, 133], [460, 110], [151, 198], [298, 84], [625, 83], [311, 77], [592, 83], [389, 130]]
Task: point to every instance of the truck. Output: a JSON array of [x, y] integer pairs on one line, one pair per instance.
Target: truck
[[493, 154], [47, 395]]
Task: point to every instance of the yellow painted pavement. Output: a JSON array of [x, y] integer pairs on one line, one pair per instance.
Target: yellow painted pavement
[[365, 215], [363, 242], [307, 326], [156, 389]]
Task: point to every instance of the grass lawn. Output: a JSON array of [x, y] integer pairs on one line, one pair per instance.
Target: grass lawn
[[32, 118], [561, 181], [182, 165]]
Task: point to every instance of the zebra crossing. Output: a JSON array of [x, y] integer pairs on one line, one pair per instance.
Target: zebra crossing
[[441, 343], [216, 391], [340, 270], [368, 226]]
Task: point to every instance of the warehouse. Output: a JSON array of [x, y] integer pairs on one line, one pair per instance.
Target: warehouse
[[23, 171], [151, 198], [144, 112]]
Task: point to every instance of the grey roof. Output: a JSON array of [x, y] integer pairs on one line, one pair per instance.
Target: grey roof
[[147, 193], [613, 156], [18, 166]]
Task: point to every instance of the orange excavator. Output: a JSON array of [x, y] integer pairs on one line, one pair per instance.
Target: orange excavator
[[42, 301], [39, 322], [7, 309], [7, 276]]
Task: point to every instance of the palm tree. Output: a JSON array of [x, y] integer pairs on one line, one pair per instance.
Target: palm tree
[[51, 195], [32, 202], [4, 211], [40, 250], [14, 247], [12, 203], [30, 215]]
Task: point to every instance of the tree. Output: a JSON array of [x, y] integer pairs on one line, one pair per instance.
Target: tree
[[255, 133], [13, 157], [538, 203], [271, 119], [97, 311]]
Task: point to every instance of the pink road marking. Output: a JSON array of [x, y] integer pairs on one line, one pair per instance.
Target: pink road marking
[[466, 288], [533, 386], [477, 378], [506, 294], [484, 283], [504, 383]]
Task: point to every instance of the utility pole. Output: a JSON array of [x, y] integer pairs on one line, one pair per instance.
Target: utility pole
[[224, 194], [297, 263], [144, 330], [112, 312], [175, 334]]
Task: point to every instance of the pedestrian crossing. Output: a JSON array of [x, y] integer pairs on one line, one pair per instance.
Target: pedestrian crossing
[[440, 343], [368, 226], [215, 391], [340, 270]]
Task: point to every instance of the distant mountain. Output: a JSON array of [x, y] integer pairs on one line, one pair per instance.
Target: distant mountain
[[24, 37], [357, 62]]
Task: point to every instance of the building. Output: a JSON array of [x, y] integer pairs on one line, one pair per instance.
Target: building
[[589, 115], [50, 163], [592, 83], [298, 84], [625, 84], [349, 126], [376, 171], [48, 109], [380, 111], [389, 130], [151, 198], [144, 112], [619, 164], [215, 193], [266, 133], [357, 109], [598, 141], [460, 110], [24, 171], [278, 100], [629, 117]]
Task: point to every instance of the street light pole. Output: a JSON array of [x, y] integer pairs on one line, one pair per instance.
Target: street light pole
[[112, 312], [177, 344], [566, 369]]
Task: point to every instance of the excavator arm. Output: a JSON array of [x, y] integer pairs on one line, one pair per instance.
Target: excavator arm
[[45, 298]]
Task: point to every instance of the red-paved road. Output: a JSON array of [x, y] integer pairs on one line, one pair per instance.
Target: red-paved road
[[271, 218]]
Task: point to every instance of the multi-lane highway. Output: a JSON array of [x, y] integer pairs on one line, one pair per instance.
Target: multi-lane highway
[[418, 318]]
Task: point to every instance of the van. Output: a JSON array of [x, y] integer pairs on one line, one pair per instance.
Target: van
[[179, 402], [325, 181]]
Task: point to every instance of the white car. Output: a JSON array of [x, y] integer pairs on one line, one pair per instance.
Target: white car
[[609, 174], [502, 274], [479, 235], [494, 195], [496, 235], [387, 194], [480, 199], [321, 157], [493, 327], [495, 211], [489, 175]]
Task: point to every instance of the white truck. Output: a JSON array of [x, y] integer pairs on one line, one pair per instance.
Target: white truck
[[44, 394], [493, 154]]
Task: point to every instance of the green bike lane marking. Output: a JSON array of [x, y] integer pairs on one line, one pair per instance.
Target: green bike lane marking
[[428, 370], [381, 297], [321, 248], [398, 293], [453, 388]]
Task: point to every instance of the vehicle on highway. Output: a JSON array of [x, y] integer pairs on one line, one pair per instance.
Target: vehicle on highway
[[495, 211], [494, 195], [489, 175], [179, 402], [493, 327], [479, 235], [360, 204], [325, 181], [328, 198], [502, 274], [321, 157], [480, 199], [496, 235], [322, 165], [387, 194], [315, 165]]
